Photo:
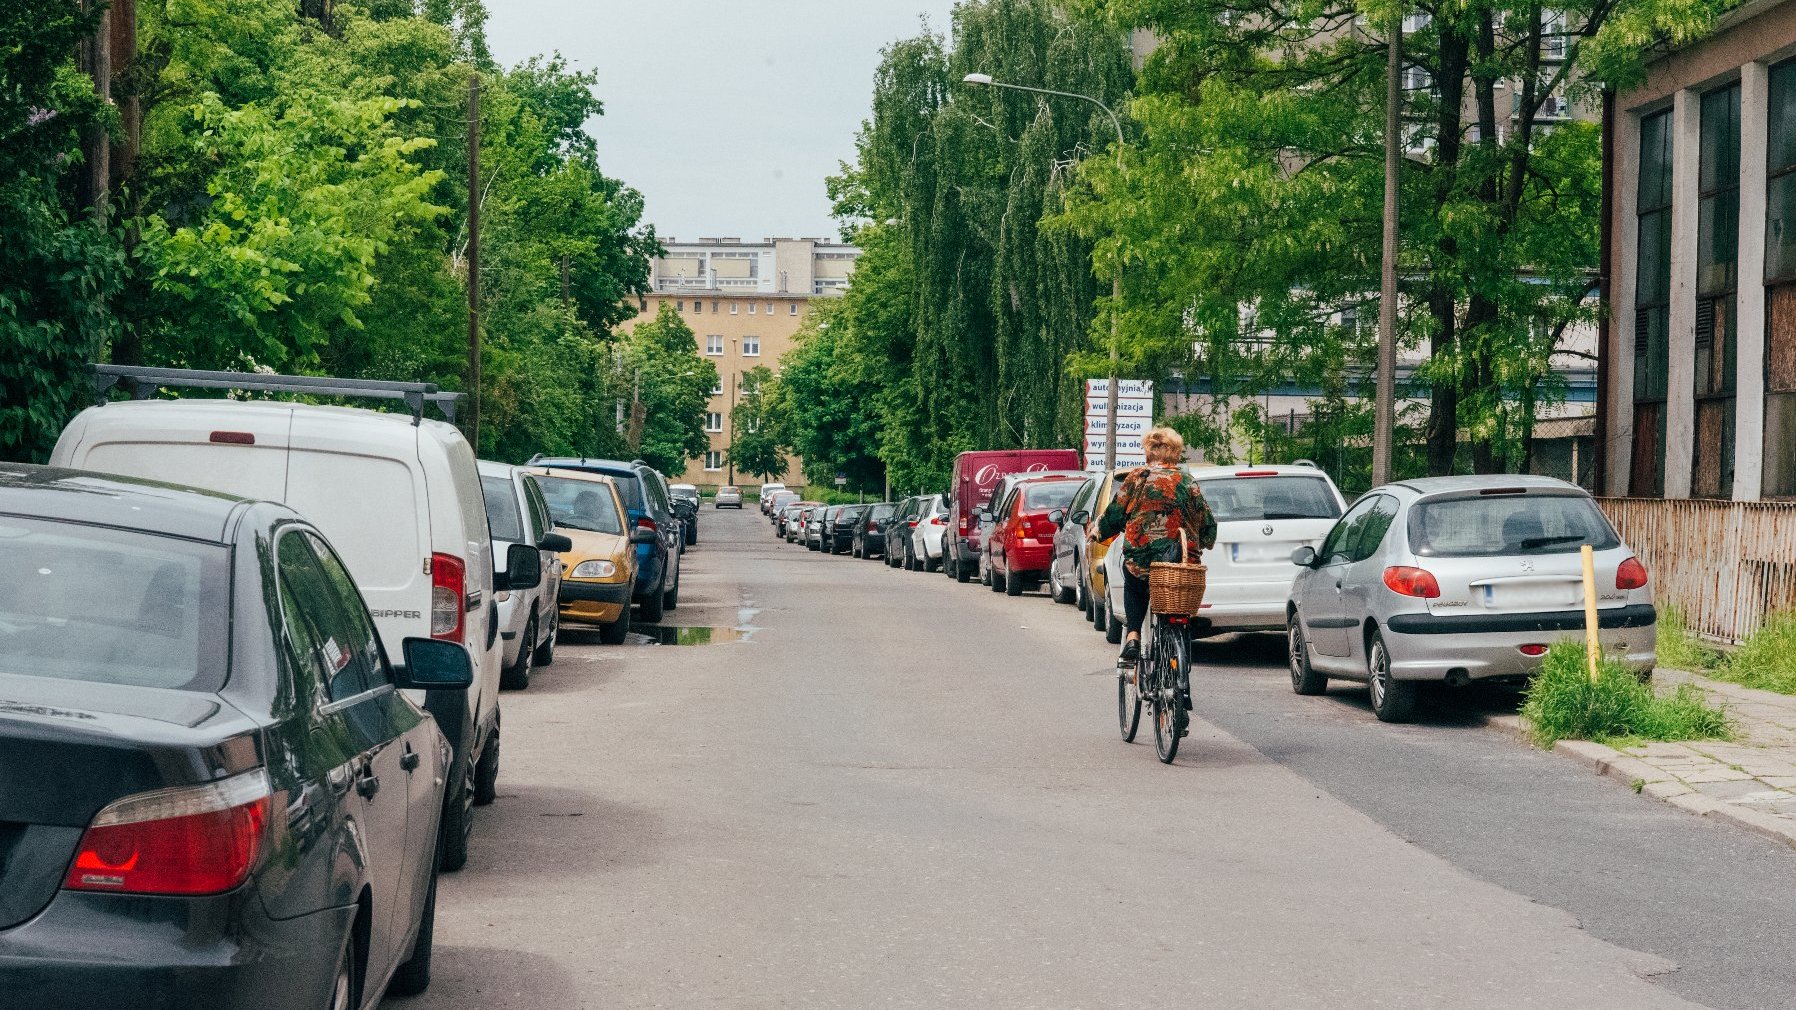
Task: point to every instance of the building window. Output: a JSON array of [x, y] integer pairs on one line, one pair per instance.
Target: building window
[[713, 306], [770, 309], [714, 343], [718, 391], [751, 308], [751, 347], [733, 308], [680, 306], [1780, 280], [792, 308], [713, 460], [714, 421], [1717, 279], [1652, 307]]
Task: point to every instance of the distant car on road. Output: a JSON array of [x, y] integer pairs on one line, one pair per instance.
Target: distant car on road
[[769, 492], [818, 525], [728, 497], [970, 489], [775, 505], [528, 618], [898, 529], [1460, 579], [869, 532], [685, 501], [928, 534], [841, 529], [213, 789]]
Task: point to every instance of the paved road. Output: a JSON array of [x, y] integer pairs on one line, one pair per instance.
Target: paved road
[[899, 792]]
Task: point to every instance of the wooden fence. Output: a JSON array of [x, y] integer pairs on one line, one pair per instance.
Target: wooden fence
[[1725, 565]]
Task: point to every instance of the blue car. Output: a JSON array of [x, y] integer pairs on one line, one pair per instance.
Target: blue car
[[649, 505]]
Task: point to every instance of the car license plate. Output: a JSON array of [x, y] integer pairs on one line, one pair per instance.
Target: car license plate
[[1261, 552], [1533, 594]]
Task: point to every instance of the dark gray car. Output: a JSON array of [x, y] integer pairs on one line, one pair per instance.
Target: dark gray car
[[212, 792]]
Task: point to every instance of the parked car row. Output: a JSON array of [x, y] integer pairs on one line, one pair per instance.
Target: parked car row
[[1452, 580], [250, 662]]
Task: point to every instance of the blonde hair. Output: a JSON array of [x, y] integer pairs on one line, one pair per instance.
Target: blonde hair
[[1163, 445]]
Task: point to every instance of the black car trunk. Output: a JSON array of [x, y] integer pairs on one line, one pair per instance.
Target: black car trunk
[[67, 749]]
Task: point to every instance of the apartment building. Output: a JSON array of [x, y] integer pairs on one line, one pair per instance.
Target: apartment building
[[1698, 397], [744, 301]]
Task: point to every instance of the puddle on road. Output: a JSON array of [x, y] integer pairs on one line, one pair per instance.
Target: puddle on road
[[671, 635]]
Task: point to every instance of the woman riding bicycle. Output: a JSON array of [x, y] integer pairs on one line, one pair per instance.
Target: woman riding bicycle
[[1151, 506]]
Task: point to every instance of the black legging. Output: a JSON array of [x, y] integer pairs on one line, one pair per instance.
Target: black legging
[[1134, 600]]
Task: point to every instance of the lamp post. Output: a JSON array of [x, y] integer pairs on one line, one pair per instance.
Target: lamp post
[[1384, 417], [732, 415], [985, 80]]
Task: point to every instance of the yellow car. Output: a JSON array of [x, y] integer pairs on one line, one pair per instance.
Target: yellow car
[[1096, 590], [599, 574]]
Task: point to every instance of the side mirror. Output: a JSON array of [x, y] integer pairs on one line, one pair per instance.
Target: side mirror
[[1057, 516], [1304, 557], [984, 515], [523, 568], [432, 665], [1081, 517], [555, 543], [643, 535]]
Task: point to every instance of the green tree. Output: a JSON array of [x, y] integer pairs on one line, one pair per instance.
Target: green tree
[[57, 273], [671, 386], [822, 398], [754, 430]]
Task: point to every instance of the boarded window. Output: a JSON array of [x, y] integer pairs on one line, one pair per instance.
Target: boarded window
[[1652, 307]]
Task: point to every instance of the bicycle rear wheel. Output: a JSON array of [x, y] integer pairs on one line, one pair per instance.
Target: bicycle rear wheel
[[1128, 703], [1170, 718]]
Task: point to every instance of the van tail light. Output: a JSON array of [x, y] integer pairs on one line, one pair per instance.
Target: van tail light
[[963, 524], [232, 438], [1417, 582], [190, 840], [448, 590], [1631, 574]]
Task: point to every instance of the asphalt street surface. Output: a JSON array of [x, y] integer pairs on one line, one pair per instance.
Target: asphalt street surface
[[895, 791]]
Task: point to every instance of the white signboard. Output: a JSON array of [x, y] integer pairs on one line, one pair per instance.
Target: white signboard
[[1095, 463], [1126, 445], [1098, 424], [1127, 388], [1097, 406]]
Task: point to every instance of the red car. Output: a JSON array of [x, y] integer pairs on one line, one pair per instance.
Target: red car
[[1020, 544]]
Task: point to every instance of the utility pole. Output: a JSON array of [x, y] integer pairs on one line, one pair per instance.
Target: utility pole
[[123, 18], [96, 144], [731, 450], [474, 259], [1384, 421]]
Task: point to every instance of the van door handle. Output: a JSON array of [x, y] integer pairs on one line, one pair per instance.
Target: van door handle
[[411, 759]]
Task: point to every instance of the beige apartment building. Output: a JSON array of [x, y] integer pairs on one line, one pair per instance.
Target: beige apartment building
[[744, 301]]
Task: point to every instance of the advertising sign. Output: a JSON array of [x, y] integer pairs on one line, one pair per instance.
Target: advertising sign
[[1134, 416], [1098, 424], [1128, 388]]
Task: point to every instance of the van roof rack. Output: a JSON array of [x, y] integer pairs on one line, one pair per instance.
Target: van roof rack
[[142, 383]]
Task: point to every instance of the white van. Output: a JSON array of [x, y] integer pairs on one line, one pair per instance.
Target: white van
[[397, 494]]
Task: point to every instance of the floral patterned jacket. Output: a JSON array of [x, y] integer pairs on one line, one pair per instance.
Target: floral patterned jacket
[[1149, 509]]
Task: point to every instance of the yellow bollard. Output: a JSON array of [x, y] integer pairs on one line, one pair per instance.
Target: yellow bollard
[[1592, 647]]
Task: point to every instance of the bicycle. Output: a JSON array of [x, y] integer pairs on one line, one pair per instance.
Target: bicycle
[[1162, 678]]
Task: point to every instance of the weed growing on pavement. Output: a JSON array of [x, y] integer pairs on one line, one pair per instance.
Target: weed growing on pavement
[[1563, 703], [1767, 660], [1681, 650]]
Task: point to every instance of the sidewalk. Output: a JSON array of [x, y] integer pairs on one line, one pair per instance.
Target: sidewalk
[[1750, 781]]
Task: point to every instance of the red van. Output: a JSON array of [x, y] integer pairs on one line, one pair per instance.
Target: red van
[[970, 488]]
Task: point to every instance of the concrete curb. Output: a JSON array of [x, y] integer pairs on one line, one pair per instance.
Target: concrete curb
[[1642, 778]]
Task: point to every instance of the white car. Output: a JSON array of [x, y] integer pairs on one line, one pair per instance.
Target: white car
[[728, 496], [397, 494], [1263, 514], [926, 536], [767, 493], [528, 618]]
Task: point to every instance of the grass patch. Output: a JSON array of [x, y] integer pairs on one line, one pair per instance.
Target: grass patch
[[1563, 703], [1767, 660], [1681, 650]]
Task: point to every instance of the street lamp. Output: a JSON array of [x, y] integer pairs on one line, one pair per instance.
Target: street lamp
[[985, 80]]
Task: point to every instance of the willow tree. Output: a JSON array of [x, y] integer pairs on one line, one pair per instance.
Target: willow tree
[[960, 178]]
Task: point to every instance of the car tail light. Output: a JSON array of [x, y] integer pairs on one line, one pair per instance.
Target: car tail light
[[1631, 574], [645, 523], [1406, 581], [1532, 649], [911, 524], [190, 840], [938, 521], [448, 590]]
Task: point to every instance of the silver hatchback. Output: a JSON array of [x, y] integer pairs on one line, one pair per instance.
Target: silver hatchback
[[1460, 579]]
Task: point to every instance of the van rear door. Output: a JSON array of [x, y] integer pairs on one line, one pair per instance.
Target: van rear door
[[239, 449]]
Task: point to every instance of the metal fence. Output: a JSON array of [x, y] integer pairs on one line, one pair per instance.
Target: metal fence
[[1725, 565]]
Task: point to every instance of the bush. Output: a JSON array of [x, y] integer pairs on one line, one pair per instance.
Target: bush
[[1678, 648], [1563, 703], [1767, 660]]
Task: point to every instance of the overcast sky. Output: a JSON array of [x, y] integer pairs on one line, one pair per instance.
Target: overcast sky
[[726, 115]]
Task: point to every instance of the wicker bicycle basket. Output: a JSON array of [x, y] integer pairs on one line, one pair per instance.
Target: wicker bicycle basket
[[1176, 587]]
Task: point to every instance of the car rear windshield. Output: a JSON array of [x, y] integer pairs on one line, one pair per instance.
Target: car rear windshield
[[580, 505], [1489, 525], [881, 511], [1050, 494], [502, 516], [112, 606], [1238, 499]]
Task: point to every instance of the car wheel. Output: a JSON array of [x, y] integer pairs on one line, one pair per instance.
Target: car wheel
[[653, 606], [517, 676], [1082, 596], [993, 579], [1304, 678], [1113, 627], [413, 974], [961, 574], [1392, 700], [486, 771], [458, 817], [545, 649], [855, 551], [1013, 586], [670, 600], [1061, 594], [345, 994], [618, 631]]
